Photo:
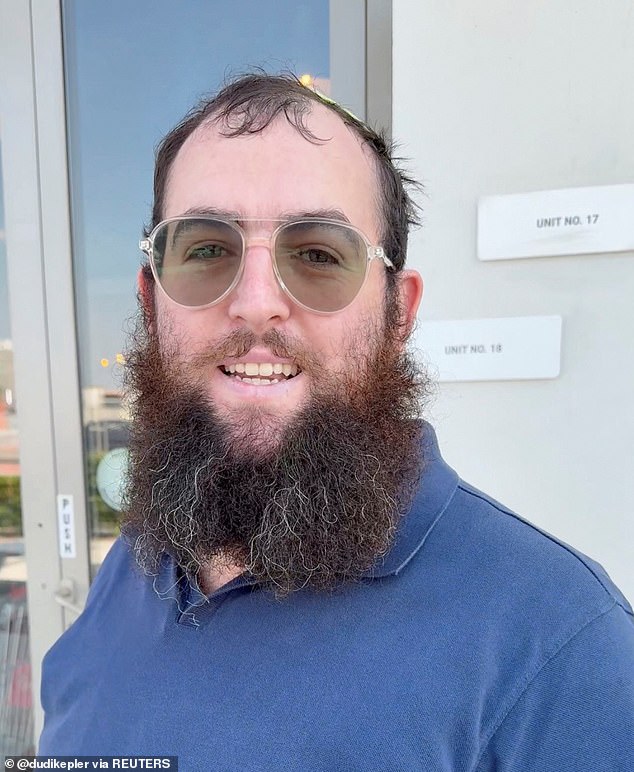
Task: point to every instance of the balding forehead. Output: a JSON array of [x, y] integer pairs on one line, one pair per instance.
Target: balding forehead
[[288, 164]]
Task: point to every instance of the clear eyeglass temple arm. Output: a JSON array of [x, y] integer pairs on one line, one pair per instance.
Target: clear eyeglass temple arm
[[377, 252]]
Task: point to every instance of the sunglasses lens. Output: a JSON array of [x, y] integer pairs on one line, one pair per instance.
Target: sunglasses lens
[[322, 264], [197, 260]]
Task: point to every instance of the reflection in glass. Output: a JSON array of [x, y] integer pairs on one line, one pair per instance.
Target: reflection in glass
[[16, 709], [132, 70]]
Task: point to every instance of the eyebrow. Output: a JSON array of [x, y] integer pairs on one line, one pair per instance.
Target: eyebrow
[[319, 214], [288, 216], [232, 214], [207, 211]]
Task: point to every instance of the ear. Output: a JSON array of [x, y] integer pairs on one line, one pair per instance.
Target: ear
[[145, 295], [410, 291]]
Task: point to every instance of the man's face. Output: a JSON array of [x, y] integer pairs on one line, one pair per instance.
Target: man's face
[[271, 175], [301, 482]]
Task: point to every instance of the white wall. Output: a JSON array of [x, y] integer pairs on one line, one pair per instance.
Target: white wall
[[505, 96]]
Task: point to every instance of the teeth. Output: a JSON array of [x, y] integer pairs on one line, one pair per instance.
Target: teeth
[[258, 381], [253, 369]]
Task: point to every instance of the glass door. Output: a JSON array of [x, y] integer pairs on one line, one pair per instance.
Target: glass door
[[44, 566]]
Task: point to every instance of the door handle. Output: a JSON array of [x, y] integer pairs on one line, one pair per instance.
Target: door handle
[[65, 595]]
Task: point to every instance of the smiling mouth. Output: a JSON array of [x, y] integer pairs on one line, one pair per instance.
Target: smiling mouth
[[264, 374]]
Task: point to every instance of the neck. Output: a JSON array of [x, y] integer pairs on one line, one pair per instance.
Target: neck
[[212, 577]]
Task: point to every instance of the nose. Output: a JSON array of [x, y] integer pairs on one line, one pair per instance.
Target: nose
[[258, 300]]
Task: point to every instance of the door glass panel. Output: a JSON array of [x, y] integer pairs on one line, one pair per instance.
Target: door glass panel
[[132, 70], [16, 710]]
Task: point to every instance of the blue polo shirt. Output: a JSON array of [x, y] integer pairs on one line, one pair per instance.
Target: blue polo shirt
[[478, 643]]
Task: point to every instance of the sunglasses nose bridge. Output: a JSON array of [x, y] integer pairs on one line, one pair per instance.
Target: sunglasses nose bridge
[[257, 241]]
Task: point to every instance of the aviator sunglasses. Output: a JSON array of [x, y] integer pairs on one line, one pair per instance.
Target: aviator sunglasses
[[320, 264]]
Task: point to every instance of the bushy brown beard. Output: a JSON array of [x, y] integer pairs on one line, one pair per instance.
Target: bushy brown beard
[[319, 509]]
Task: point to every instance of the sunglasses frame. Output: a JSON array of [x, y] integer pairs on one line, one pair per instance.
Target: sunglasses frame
[[146, 245]]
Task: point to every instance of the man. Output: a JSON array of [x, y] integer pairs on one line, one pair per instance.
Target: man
[[303, 584]]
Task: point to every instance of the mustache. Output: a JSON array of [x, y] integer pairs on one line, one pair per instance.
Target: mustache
[[238, 343]]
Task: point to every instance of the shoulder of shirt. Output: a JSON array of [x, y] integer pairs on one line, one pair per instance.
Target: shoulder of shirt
[[117, 569], [527, 554]]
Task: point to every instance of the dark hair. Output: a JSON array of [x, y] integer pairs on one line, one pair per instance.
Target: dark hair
[[250, 103]]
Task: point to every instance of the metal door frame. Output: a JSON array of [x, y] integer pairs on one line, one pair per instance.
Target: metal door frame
[[42, 312]]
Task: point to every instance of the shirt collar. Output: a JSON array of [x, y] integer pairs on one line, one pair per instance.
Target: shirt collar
[[438, 483]]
